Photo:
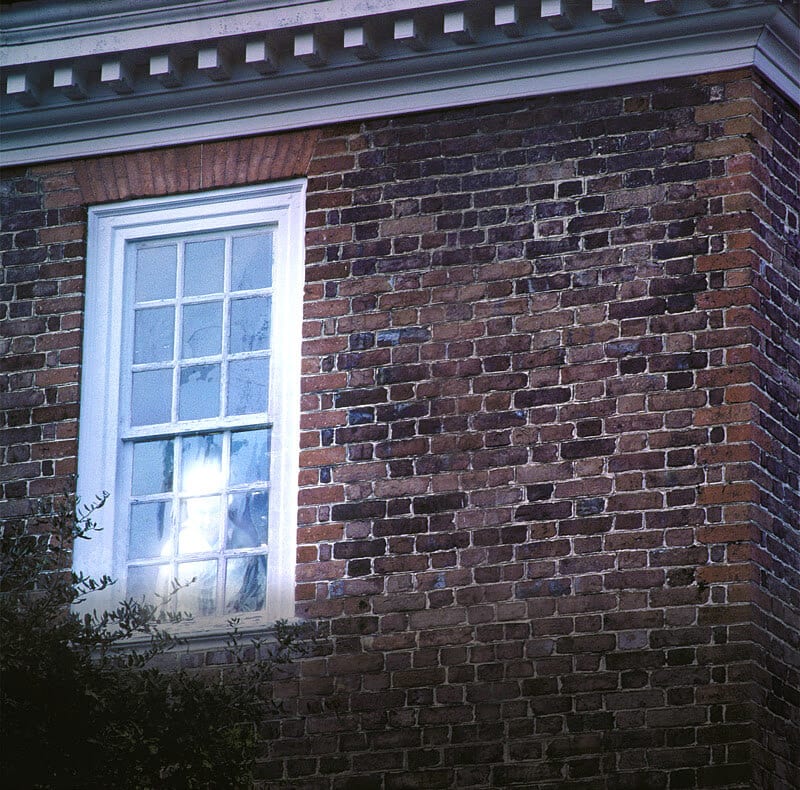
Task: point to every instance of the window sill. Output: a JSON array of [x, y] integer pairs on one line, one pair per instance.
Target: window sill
[[211, 633]]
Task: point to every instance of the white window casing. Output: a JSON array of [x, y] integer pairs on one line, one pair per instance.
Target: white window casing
[[206, 341]]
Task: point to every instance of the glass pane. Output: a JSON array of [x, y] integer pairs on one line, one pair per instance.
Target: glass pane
[[248, 385], [151, 397], [202, 329], [150, 530], [246, 584], [152, 467], [199, 597], [250, 319], [250, 456], [201, 464], [199, 392], [252, 262], [203, 267], [149, 582], [248, 516], [153, 334], [199, 527], [155, 272]]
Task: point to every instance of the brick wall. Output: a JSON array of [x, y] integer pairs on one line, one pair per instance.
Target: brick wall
[[774, 240], [548, 509]]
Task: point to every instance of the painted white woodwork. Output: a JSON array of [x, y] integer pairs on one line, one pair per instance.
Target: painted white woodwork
[[560, 46], [71, 82], [215, 61], [261, 56], [408, 31], [506, 18], [557, 13], [21, 86], [457, 26], [609, 10], [360, 41], [308, 48], [168, 69], [118, 75], [108, 433]]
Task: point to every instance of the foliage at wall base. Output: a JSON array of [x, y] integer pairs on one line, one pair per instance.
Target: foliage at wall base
[[80, 710]]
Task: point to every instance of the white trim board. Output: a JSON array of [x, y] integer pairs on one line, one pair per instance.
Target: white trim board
[[139, 112]]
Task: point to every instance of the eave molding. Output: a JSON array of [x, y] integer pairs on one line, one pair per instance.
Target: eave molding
[[443, 54]]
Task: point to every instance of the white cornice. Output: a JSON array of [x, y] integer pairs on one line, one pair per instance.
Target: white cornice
[[190, 72], [132, 26]]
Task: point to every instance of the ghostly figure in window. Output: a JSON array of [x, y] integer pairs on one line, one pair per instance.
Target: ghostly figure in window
[[199, 523]]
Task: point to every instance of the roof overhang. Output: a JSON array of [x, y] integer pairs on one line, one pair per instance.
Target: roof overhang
[[158, 73]]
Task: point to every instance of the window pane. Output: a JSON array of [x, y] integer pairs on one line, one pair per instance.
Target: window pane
[[245, 584], [250, 324], [201, 464], [203, 268], [199, 598], [149, 582], [152, 467], [151, 397], [250, 456], [153, 334], [252, 262], [155, 272], [150, 530], [248, 516], [248, 385], [202, 329], [199, 527], [199, 392]]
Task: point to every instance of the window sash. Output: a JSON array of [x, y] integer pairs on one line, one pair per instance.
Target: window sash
[[106, 438]]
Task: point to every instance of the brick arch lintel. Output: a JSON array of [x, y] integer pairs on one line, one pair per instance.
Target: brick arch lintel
[[191, 168]]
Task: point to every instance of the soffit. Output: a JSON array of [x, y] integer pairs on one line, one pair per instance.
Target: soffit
[[157, 73]]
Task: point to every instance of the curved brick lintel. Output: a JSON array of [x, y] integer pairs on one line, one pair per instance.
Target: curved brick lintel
[[194, 167]]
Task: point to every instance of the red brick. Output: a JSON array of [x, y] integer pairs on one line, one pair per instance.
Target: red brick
[[559, 473]]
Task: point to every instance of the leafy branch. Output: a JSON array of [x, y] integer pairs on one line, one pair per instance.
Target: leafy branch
[[103, 699]]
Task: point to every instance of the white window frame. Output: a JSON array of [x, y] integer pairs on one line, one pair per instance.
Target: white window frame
[[111, 229]]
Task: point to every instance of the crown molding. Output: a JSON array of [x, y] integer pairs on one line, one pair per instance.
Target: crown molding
[[167, 73]]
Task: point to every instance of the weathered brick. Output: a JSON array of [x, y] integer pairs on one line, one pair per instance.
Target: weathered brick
[[548, 459]]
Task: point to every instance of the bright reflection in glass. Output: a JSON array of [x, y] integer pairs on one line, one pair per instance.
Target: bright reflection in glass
[[151, 396], [155, 272], [198, 392], [201, 473], [153, 334], [202, 329], [248, 385], [199, 597], [199, 504], [201, 464], [148, 582], [150, 529], [245, 584], [250, 324], [250, 456], [152, 467], [252, 262], [204, 267], [248, 516], [198, 532]]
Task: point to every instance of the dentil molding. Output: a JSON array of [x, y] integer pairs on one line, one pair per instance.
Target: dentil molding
[[80, 79]]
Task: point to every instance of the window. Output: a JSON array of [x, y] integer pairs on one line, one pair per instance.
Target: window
[[190, 399]]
